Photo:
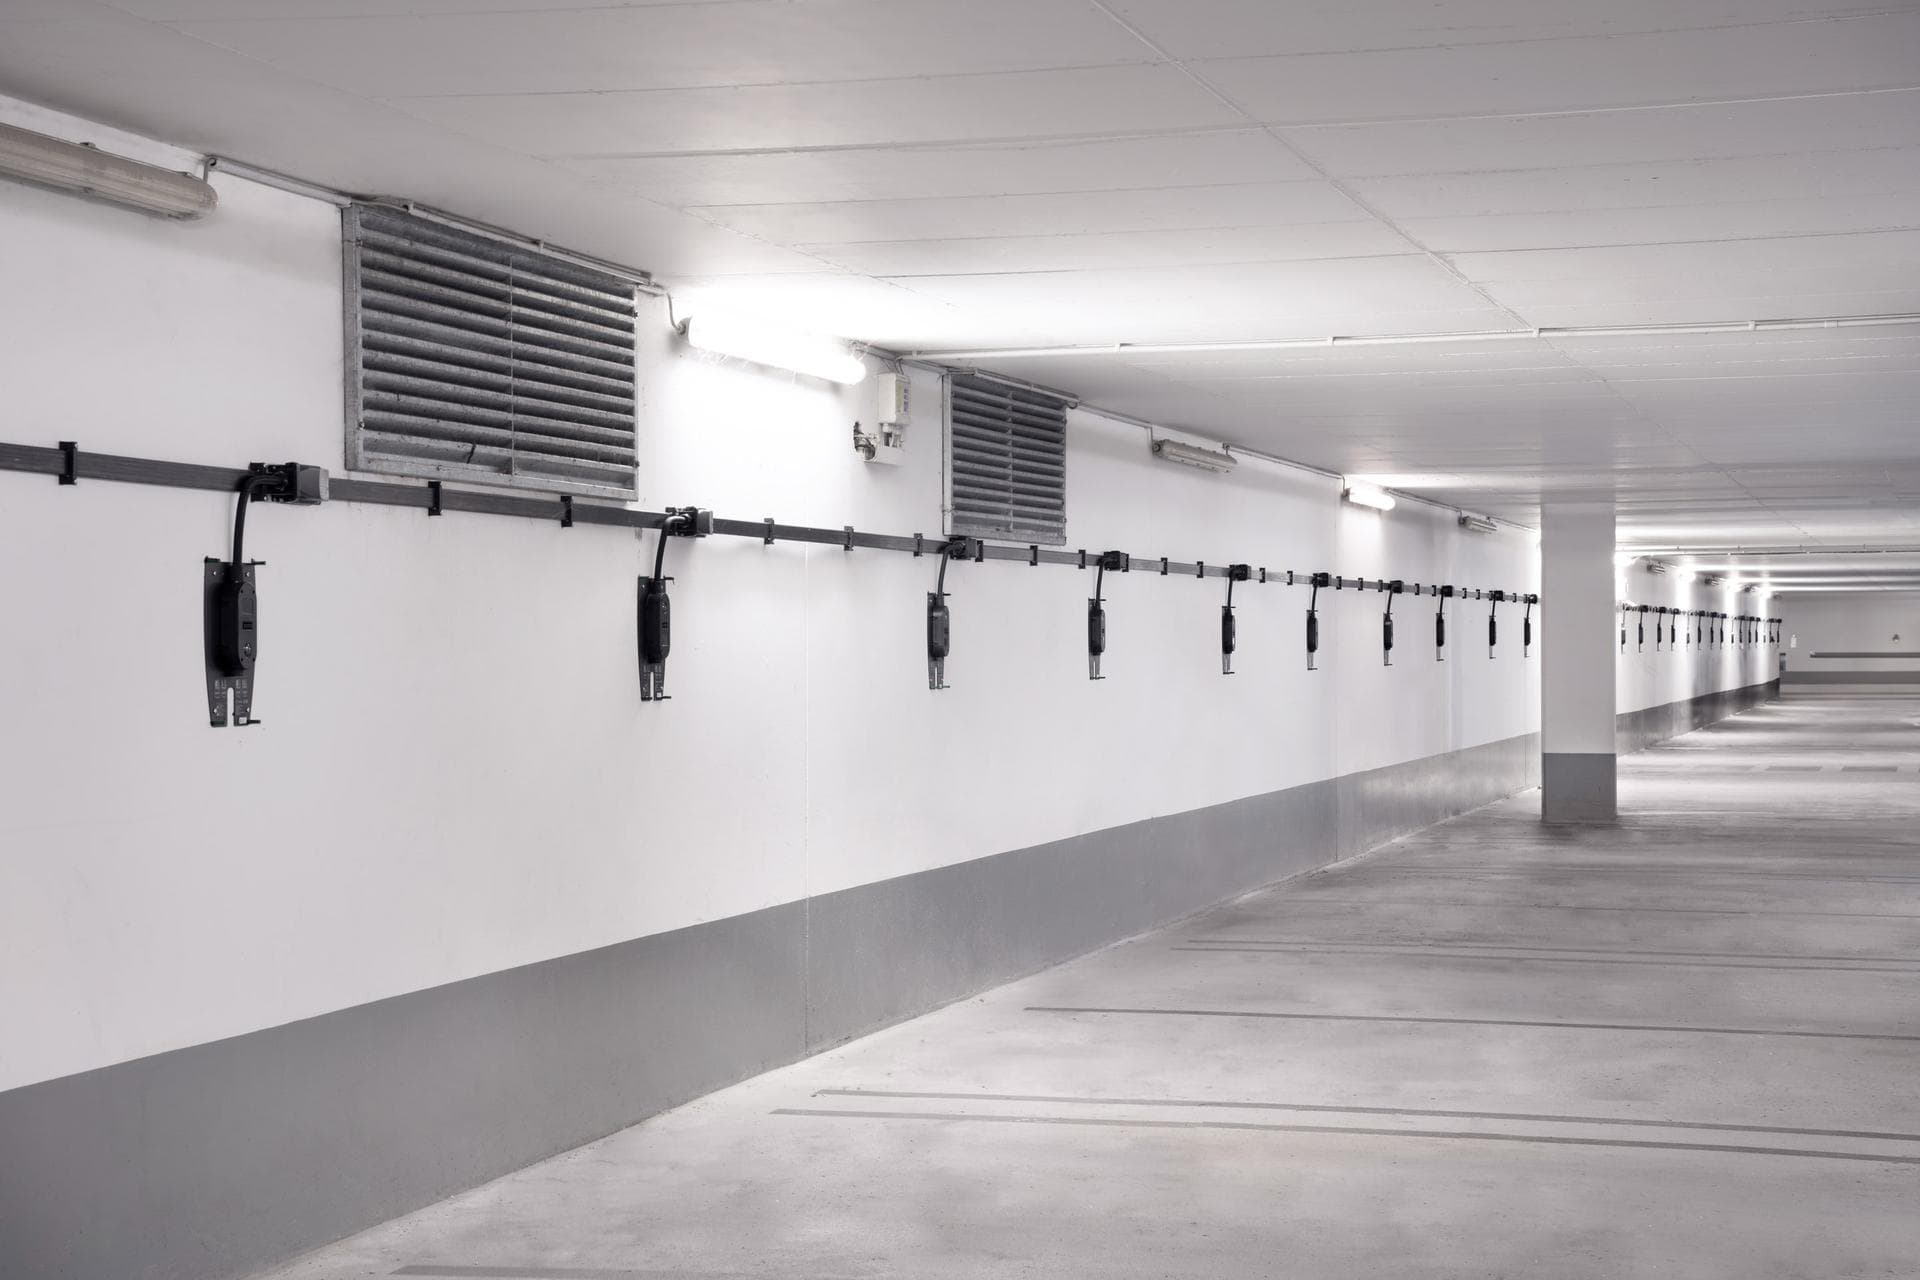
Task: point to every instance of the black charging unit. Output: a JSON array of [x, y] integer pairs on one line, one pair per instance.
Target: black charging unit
[[939, 618], [653, 606], [1229, 629], [1119, 562], [1392, 589], [1317, 581], [230, 592]]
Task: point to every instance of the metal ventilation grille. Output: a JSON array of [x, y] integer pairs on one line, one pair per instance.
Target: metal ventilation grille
[[1006, 461], [471, 358]]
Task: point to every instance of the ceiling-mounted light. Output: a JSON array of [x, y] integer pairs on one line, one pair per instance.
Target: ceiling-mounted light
[[1367, 495], [84, 170], [1192, 455], [1711, 579], [807, 353], [1478, 524], [1656, 567]]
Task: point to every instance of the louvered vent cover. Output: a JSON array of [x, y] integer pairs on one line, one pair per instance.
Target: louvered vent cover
[[1006, 461], [470, 358]]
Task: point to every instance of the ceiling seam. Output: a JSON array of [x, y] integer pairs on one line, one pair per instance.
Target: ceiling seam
[[1251, 126]]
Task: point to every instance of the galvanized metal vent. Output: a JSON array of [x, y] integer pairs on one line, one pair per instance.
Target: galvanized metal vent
[[471, 358], [1006, 461]]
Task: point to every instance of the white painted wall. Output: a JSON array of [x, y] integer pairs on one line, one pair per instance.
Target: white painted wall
[[1851, 622], [1646, 676], [454, 773]]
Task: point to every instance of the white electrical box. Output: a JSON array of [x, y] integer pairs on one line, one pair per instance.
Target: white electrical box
[[891, 407], [887, 442]]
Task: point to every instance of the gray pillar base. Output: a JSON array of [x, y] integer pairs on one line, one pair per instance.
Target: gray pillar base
[[1578, 787]]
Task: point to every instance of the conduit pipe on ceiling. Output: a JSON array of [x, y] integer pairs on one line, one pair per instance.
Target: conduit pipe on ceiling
[[1414, 339]]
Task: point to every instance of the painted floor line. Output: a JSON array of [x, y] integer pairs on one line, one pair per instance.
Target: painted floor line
[[1331, 1109], [1356, 1131], [1424, 948], [1525, 959], [1348, 903], [1473, 1022]]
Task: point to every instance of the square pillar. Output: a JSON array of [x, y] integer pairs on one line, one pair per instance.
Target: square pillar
[[1578, 780]]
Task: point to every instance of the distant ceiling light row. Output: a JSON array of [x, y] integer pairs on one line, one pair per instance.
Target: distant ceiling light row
[[84, 170], [811, 354], [1545, 332]]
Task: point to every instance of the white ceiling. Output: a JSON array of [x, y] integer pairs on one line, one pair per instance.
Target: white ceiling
[[940, 174]]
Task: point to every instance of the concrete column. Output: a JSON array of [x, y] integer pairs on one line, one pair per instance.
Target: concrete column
[[1577, 634]]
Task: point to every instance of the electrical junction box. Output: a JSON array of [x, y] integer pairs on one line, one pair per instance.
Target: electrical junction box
[[886, 442], [891, 404]]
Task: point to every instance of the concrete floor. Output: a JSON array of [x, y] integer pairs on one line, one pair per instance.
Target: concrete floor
[[1688, 1046]]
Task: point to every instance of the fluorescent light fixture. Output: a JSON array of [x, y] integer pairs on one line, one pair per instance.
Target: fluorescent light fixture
[[1478, 524], [83, 170], [1367, 495], [1656, 567], [1192, 455], [811, 354]]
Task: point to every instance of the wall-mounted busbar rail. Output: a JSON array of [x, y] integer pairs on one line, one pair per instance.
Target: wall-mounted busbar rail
[[71, 465], [431, 497]]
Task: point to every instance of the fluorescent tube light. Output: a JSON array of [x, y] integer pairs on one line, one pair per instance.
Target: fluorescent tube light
[[82, 170], [1367, 495], [1479, 524], [1193, 455], [811, 354]]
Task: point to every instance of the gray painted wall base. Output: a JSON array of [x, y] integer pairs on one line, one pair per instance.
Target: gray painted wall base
[[222, 1158], [1579, 787], [1637, 730], [1583, 787]]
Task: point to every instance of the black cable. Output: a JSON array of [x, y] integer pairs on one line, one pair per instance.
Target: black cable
[[667, 526], [946, 555], [247, 486]]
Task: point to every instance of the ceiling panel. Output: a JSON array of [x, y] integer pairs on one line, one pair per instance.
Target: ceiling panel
[[1358, 362], [1206, 159], [1228, 28], [1836, 256], [1884, 171], [1098, 100], [1248, 204], [1694, 224], [1271, 299], [1716, 131], [1667, 311], [195, 10], [747, 42], [1127, 249], [1575, 74]]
